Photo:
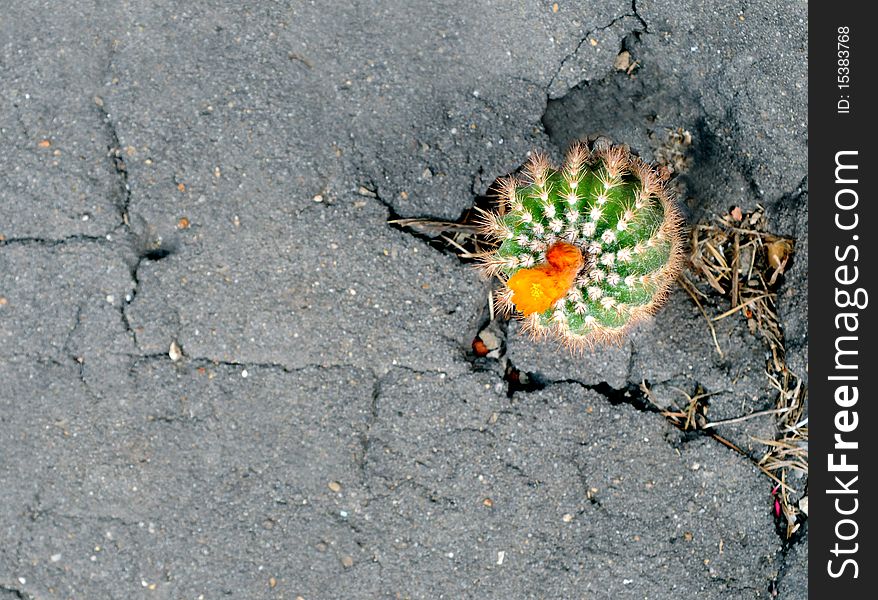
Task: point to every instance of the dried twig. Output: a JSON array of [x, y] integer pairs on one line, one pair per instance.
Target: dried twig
[[741, 306], [760, 413]]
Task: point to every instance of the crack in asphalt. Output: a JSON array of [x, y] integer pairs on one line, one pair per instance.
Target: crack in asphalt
[[204, 361], [122, 202], [797, 540], [585, 38], [78, 361], [114, 153], [365, 437], [51, 242], [123, 312], [638, 17], [15, 592]]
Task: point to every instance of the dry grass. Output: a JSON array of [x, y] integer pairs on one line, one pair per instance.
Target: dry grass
[[738, 259]]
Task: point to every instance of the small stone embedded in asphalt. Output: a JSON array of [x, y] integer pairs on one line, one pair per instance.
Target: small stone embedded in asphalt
[[491, 341]]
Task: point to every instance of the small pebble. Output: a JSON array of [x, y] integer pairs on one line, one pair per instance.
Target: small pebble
[[347, 562], [490, 339], [245, 374], [175, 353], [335, 486], [567, 517]]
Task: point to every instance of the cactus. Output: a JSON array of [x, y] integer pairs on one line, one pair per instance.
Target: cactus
[[587, 250]]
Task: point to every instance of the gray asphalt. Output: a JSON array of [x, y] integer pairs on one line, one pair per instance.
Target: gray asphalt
[[223, 374]]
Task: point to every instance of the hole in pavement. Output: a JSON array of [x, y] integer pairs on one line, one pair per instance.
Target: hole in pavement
[[522, 381], [150, 245], [650, 110], [156, 254], [628, 109], [630, 394]]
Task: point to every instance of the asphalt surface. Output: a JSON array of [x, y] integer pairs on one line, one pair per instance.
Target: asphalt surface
[[223, 374]]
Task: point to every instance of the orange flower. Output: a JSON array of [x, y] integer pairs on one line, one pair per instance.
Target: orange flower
[[535, 290]]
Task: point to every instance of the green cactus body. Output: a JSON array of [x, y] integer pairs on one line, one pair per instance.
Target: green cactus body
[[586, 250]]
